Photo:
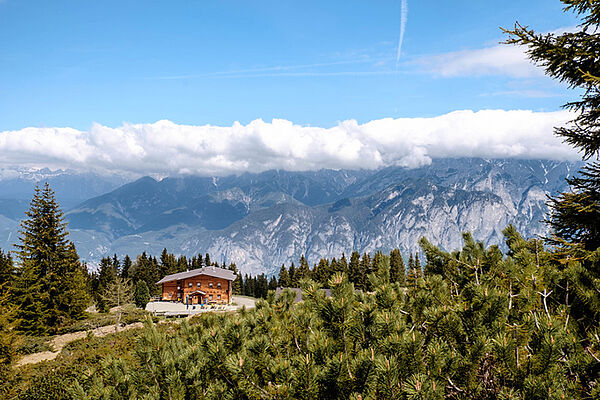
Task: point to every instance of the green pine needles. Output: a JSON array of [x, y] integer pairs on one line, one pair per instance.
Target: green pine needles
[[49, 287], [476, 324]]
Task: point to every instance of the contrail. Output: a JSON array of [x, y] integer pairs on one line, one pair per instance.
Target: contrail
[[403, 18]]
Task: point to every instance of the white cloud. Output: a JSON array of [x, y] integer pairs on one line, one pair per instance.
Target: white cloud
[[496, 60], [164, 147], [501, 59]]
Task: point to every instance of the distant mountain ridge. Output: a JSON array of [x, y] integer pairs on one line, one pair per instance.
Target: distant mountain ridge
[[263, 220]]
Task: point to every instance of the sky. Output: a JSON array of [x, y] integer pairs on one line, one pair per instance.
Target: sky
[[278, 77]]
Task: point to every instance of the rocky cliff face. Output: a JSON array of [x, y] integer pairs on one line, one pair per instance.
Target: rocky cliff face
[[260, 221]]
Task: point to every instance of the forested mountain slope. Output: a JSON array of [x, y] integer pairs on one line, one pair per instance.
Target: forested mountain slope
[[263, 220]]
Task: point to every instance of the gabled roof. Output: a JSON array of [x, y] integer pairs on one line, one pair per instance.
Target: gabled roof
[[209, 271]]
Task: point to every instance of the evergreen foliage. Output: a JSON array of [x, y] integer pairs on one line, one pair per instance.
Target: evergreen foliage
[[236, 285], [6, 270], [147, 269], [50, 285], [397, 267], [477, 325], [107, 274], [126, 267], [141, 296], [303, 271], [284, 277], [8, 338], [574, 58]]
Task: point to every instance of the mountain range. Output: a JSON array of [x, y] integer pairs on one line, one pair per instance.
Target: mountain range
[[260, 221]]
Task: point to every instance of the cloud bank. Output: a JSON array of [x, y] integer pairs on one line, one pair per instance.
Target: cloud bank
[[166, 148]]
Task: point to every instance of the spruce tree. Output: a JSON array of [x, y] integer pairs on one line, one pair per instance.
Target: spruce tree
[[236, 285], [50, 288], [182, 264], [366, 268], [141, 295], [355, 274], [147, 269], [168, 263], [116, 264], [412, 275], [303, 271], [342, 265], [574, 58], [107, 274], [273, 283], [6, 270], [397, 268], [126, 267], [322, 272], [284, 277], [294, 281]]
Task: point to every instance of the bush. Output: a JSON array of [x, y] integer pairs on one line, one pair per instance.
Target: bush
[[130, 315], [34, 344]]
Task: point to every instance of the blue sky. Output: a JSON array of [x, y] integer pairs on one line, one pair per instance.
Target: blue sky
[[73, 63]]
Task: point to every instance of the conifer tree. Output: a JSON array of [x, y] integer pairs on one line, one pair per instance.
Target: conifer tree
[[499, 336], [126, 267], [8, 339], [355, 274], [342, 265], [294, 281], [182, 264], [107, 274], [168, 263], [284, 277], [303, 271], [141, 295], [236, 285], [412, 274], [6, 270], [116, 264], [50, 287], [273, 283], [366, 268], [147, 269], [322, 272], [573, 57], [397, 267]]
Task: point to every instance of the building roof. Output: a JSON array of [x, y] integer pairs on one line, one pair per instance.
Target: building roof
[[209, 271]]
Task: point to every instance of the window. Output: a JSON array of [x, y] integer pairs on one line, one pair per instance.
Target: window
[[219, 285], [210, 285], [210, 296], [190, 284], [198, 284], [219, 296]]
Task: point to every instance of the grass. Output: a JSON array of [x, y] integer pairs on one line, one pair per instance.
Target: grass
[[80, 358], [34, 344], [131, 314]]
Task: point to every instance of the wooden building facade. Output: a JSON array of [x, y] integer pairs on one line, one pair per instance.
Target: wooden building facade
[[208, 285]]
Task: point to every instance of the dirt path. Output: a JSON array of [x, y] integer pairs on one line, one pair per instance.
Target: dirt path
[[61, 341]]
